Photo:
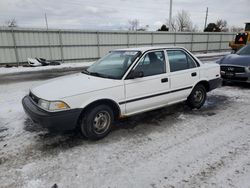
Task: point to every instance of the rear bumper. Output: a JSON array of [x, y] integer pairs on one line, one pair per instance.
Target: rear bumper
[[63, 120], [213, 84]]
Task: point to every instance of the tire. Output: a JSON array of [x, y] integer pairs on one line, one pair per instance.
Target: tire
[[97, 122], [197, 97]]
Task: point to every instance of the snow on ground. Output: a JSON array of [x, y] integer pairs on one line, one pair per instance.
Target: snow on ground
[[12, 70], [169, 147]]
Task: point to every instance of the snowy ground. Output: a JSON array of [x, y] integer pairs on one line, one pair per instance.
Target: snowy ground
[[13, 70], [169, 147]]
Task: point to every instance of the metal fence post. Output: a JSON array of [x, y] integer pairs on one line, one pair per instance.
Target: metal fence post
[[98, 44], [61, 45], [220, 42], [152, 38], [15, 46], [207, 42], [175, 38], [48, 36], [128, 39], [192, 40], [136, 38]]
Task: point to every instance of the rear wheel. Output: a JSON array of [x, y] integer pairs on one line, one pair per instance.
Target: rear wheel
[[97, 122], [197, 97]]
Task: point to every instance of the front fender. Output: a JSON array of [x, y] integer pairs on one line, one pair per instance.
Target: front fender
[[82, 100]]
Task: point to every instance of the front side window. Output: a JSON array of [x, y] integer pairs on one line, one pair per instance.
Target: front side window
[[114, 65], [179, 60], [152, 63]]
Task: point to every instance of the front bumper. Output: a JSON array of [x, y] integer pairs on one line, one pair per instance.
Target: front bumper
[[62, 120], [236, 77]]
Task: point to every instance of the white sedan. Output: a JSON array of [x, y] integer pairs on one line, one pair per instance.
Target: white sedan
[[122, 83]]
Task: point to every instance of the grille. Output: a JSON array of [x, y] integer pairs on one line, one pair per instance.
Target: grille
[[34, 98], [232, 69]]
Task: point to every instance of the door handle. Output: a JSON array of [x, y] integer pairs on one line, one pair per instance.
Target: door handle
[[194, 74], [164, 80]]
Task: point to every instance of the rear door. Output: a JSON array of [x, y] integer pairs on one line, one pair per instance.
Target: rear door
[[147, 92], [184, 73]]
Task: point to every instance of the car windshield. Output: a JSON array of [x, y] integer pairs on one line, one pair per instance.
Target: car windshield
[[244, 51], [113, 65]]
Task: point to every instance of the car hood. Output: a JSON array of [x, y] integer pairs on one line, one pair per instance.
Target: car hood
[[235, 59], [75, 84]]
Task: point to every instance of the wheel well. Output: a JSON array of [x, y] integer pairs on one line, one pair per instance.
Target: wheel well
[[112, 104], [205, 84]]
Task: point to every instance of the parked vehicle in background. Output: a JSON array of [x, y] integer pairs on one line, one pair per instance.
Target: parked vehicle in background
[[241, 39], [123, 83], [236, 67]]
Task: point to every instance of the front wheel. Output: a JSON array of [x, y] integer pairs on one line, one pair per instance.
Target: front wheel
[[197, 97], [97, 122]]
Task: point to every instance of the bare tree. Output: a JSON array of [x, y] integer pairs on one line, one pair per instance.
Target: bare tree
[[194, 28], [143, 28], [236, 29], [11, 23], [182, 22], [173, 24], [133, 25], [222, 25]]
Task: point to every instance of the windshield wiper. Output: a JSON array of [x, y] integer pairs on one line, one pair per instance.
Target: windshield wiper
[[86, 72], [100, 75], [94, 73]]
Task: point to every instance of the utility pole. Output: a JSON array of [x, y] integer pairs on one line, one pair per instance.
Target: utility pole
[[46, 21], [47, 27], [206, 19], [170, 16]]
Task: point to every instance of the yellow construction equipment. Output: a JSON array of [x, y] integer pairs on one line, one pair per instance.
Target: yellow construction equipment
[[241, 39]]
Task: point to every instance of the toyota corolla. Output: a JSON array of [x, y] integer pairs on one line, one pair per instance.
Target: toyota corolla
[[122, 83]]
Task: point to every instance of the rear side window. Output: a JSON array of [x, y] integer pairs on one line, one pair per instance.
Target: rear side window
[[179, 60]]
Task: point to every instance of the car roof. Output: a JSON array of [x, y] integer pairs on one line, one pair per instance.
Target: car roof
[[146, 48]]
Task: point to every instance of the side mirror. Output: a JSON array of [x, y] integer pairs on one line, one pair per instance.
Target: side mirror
[[135, 74]]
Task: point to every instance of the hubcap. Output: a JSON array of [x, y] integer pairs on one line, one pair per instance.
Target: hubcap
[[101, 122], [198, 96]]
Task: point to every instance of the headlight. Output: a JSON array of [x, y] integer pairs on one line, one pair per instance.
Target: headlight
[[43, 104], [52, 105], [58, 105]]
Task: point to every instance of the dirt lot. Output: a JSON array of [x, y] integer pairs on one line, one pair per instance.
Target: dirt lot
[[169, 147]]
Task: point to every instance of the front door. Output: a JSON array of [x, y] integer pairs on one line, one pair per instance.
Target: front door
[[148, 91]]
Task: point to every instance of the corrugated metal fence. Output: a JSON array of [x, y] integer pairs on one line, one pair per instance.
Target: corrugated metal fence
[[16, 45]]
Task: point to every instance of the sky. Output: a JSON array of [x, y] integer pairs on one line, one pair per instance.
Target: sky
[[114, 14]]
